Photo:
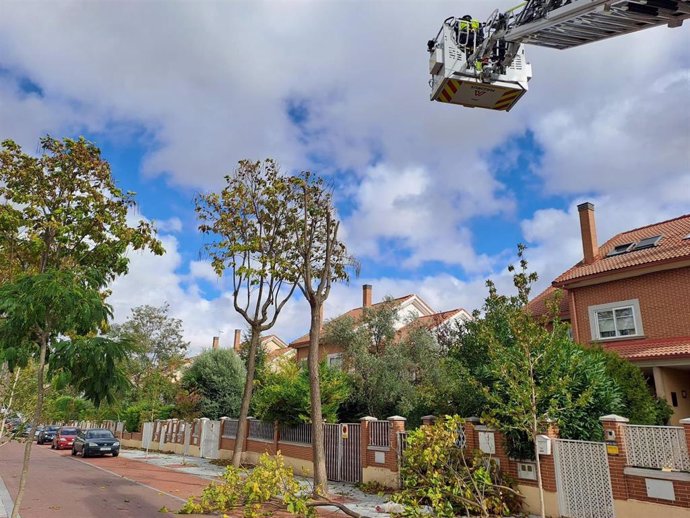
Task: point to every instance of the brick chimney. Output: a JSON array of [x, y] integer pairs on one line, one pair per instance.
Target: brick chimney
[[238, 340], [216, 342], [588, 229], [366, 295]]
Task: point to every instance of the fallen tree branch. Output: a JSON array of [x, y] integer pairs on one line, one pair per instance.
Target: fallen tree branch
[[343, 508]]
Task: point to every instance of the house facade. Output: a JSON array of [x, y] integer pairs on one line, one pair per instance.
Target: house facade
[[632, 296], [412, 312]]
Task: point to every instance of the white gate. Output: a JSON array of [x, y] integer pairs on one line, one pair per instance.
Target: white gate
[[210, 439], [583, 481], [146, 435], [343, 458]]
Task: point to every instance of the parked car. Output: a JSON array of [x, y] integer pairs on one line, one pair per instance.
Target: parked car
[[35, 430], [96, 442], [47, 434], [64, 438]]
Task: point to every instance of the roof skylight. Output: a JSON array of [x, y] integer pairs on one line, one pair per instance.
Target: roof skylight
[[647, 242], [620, 249]]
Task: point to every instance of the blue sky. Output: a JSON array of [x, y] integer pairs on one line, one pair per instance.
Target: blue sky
[[433, 198]]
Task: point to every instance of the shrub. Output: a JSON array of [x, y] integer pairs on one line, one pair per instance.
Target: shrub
[[283, 395], [439, 474], [269, 486], [217, 376]]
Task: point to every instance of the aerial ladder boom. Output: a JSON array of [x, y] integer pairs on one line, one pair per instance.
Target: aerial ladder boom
[[483, 65]]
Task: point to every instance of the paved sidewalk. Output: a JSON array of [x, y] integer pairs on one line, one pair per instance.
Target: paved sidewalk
[[346, 493]]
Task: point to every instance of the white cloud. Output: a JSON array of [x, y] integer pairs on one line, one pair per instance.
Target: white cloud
[[173, 224], [203, 270], [209, 83]]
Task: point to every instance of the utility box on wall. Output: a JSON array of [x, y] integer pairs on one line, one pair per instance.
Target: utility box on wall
[[487, 442], [543, 445]]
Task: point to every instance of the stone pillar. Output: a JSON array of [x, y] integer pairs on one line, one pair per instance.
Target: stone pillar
[[364, 438], [615, 448], [471, 439], [397, 424], [428, 420], [220, 435]]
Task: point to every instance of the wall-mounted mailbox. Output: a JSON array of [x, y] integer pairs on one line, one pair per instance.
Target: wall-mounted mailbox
[[543, 445]]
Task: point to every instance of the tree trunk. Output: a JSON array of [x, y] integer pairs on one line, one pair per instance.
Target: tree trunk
[[37, 419], [542, 511], [246, 398], [317, 443], [8, 407]]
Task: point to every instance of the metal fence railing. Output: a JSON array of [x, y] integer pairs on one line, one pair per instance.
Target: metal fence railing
[[260, 430], [656, 447], [379, 433], [300, 434], [230, 428]]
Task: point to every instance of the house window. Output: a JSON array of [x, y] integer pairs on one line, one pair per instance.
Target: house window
[[616, 320], [335, 360]]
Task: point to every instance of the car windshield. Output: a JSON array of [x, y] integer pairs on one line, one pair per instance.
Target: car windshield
[[52, 428], [68, 431], [99, 434]]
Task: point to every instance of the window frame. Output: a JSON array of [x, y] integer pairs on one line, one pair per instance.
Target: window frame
[[594, 311], [333, 356]]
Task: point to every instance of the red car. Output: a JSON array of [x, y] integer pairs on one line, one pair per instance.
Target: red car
[[64, 438]]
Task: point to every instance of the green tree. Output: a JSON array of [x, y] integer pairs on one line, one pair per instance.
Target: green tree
[[158, 341], [249, 223], [388, 376], [637, 402], [535, 375], [323, 259], [284, 394], [63, 222], [217, 376]]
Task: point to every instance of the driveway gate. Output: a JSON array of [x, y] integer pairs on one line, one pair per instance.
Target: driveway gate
[[343, 460], [583, 481]]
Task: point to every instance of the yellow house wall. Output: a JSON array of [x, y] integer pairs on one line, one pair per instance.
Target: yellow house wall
[[677, 380], [531, 495]]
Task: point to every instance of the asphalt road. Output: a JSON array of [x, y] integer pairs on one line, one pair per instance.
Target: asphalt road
[[60, 485]]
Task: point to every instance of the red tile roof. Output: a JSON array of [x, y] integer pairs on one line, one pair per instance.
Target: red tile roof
[[638, 350], [537, 306], [428, 322], [355, 314], [674, 246]]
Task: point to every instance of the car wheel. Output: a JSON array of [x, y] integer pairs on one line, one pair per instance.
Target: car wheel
[[74, 452], [39, 441], [116, 453]]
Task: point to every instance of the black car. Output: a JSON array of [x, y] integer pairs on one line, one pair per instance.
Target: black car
[[47, 435], [96, 442]]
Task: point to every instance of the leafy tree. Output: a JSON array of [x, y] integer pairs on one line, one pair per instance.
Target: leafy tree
[[217, 376], [158, 339], [323, 259], [284, 395], [637, 402], [63, 222], [396, 378], [535, 375], [249, 223], [68, 408], [94, 366]]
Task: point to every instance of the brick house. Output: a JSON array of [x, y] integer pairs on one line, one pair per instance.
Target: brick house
[[632, 296], [412, 312]]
